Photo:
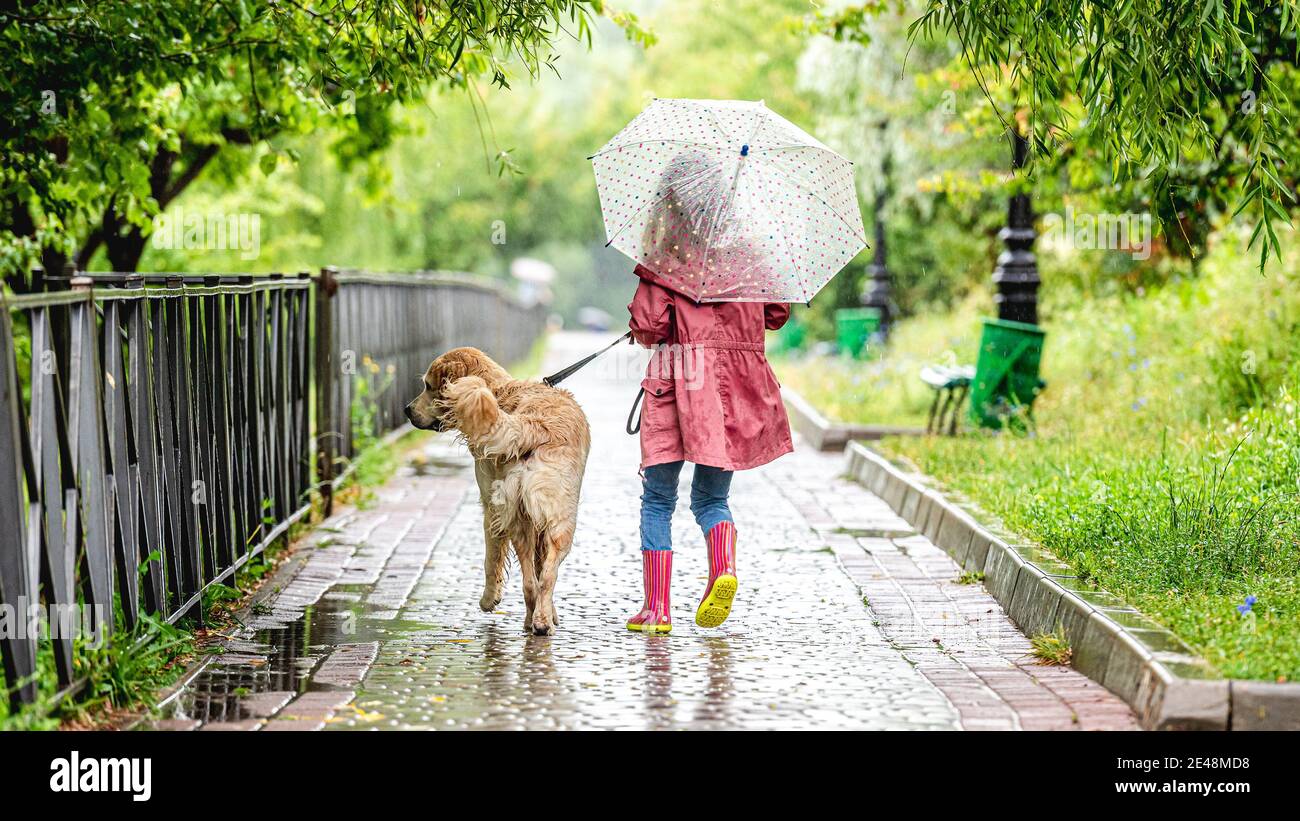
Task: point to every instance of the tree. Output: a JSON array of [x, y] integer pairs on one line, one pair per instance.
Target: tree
[[434, 197], [117, 107], [1190, 104], [912, 125]]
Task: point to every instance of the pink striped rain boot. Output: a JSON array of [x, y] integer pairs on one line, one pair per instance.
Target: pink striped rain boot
[[657, 572], [721, 592]]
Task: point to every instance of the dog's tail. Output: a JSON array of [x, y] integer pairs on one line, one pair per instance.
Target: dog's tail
[[492, 432]]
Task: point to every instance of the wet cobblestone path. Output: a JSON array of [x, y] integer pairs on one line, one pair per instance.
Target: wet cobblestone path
[[846, 619]]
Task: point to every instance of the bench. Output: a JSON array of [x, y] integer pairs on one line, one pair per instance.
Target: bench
[[950, 384]]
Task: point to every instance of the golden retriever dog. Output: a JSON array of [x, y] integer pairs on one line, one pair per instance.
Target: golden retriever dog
[[530, 444]]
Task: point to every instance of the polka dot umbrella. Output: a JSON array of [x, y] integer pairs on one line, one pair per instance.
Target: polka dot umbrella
[[727, 201]]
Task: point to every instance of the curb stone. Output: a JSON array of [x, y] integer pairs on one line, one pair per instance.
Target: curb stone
[[1265, 705], [1168, 686], [825, 435]]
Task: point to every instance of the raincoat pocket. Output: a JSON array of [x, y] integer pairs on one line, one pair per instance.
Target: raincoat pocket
[[659, 410]]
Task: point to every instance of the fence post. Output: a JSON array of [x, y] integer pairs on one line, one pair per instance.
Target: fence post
[[19, 560], [326, 437], [302, 391]]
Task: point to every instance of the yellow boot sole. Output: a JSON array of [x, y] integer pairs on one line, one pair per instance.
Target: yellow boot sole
[[649, 628], [716, 606]]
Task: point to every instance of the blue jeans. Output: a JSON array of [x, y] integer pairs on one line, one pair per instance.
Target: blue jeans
[[709, 489]]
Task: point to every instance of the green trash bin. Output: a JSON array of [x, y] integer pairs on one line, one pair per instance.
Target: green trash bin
[[1006, 372], [853, 329]]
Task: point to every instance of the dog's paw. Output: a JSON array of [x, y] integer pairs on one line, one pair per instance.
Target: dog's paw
[[539, 624], [489, 601], [542, 627]]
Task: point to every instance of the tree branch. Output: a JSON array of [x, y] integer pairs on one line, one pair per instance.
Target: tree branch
[[164, 189]]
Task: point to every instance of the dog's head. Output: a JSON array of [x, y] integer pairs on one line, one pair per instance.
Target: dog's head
[[428, 411]]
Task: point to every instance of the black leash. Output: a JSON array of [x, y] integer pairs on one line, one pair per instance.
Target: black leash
[[561, 375], [633, 431]]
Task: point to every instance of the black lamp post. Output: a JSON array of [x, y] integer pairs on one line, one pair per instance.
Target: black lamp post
[[878, 290], [1016, 275]]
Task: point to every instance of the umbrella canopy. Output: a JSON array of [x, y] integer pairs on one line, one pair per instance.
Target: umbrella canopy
[[727, 201]]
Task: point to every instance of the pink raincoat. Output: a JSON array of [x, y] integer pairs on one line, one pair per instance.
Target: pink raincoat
[[711, 398]]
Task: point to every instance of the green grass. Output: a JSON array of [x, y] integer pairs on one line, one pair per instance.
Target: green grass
[[1051, 648], [122, 673], [1166, 462]]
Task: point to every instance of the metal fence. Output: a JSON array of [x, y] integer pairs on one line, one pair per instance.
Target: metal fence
[[383, 328], [158, 431]]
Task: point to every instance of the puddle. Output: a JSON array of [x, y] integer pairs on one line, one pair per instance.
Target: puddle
[[424, 464], [282, 648], [282, 659]]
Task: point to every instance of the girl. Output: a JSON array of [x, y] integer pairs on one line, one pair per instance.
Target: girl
[[710, 399]]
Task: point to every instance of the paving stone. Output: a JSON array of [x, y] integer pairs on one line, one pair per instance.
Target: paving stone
[[265, 704], [173, 724], [347, 665], [245, 726], [293, 725], [316, 703]]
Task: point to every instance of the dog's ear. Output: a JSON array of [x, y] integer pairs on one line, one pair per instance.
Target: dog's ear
[[473, 405], [449, 368], [461, 362]]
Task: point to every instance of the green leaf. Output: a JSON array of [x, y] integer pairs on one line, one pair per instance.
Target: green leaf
[[268, 162]]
